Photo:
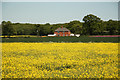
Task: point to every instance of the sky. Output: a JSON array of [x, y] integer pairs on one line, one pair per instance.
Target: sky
[[119, 10], [0, 12], [60, 0], [57, 12]]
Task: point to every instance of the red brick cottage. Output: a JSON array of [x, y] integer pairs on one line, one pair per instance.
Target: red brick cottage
[[61, 31]]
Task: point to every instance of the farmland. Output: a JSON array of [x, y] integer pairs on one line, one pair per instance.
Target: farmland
[[59, 60]]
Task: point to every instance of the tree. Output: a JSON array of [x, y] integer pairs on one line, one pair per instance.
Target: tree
[[119, 26], [7, 28], [90, 22], [47, 29], [75, 27], [112, 26], [37, 29]]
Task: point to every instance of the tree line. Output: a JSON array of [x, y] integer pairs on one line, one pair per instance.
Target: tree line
[[92, 25]]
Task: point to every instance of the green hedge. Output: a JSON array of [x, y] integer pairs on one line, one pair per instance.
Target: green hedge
[[63, 39]]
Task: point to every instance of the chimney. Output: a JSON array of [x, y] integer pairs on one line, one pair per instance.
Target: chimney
[[61, 26]]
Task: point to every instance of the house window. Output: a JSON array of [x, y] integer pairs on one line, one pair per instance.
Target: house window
[[58, 35], [58, 31], [63, 32]]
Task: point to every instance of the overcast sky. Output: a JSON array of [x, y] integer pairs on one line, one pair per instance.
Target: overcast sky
[[57, 12]]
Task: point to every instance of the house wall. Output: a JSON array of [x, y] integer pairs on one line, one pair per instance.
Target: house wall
[[62, 33]]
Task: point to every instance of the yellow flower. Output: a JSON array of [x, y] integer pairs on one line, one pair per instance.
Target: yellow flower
[[63, 60]]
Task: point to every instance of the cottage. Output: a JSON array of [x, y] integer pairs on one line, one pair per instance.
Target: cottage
[[62, 31]]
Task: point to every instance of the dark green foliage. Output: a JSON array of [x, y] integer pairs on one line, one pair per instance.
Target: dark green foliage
[[25, 29], [75, 27], [112, 27], [92, 25], [63, 39], [7, 28], [118, 27]]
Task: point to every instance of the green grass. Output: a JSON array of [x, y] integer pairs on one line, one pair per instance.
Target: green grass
[[62, 39]]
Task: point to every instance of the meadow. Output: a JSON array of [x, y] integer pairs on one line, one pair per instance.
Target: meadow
[[59, 60]]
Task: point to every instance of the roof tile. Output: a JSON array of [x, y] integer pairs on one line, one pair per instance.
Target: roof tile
[[62, 29]]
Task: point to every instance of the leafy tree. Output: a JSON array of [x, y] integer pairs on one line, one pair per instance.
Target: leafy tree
[[98, 28], [0, 30], [90, 22], [119, 26], [41, 30], [75, 27], [112, 26], [47, 29], [7, 28], [92, 25], [37, 28]]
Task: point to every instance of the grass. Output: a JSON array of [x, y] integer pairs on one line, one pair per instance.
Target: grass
[[62, 39]]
